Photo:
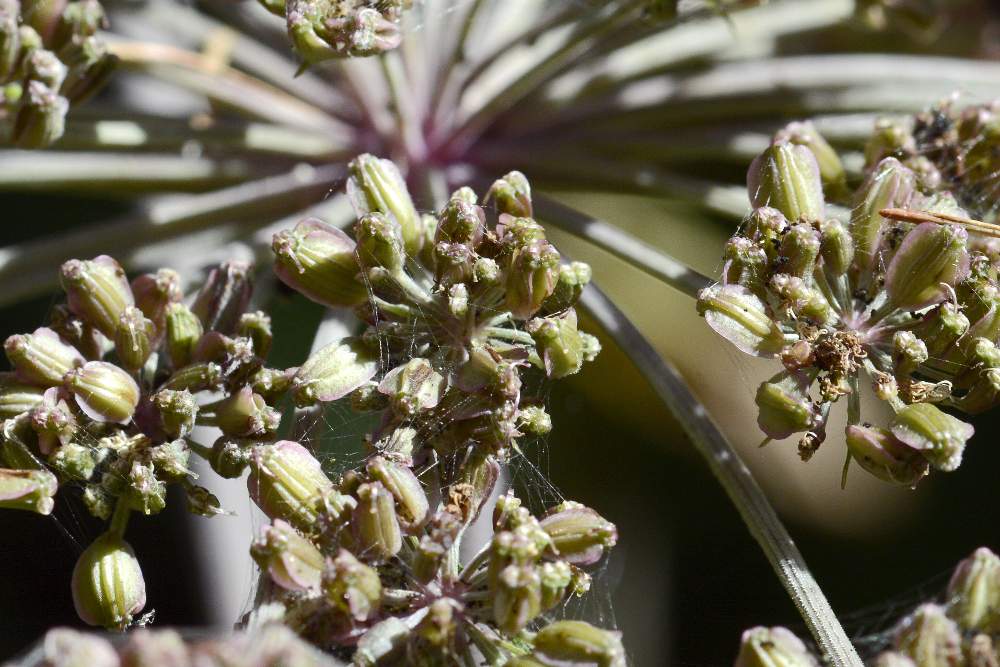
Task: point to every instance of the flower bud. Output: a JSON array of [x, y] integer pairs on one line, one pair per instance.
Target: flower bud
[[230, 457], [531, 277], [773, 647], [413, 387], [461, 222], [787, 177], [108, 588], [184, 330], [74, 461], [376, 526], [578, 642], [30, 490], [798, 297], [879, 452], [831, 169], [290, 559], [929, 637], [201, 501], [41, 118], [41, 358], [511, 195], [940, 437], [555, 579], [441, 533], [352, 587], [889, 185], [580, 535], [97, 291], [784, 407], [63, 647], [171, 460], [739, 316], [380, 242], [799, 249], [941, 327], [97, 501], [144, 491], [224, 296], [242, 415], [534, 420], [560, 345], [930, 258], [974, 592], [836, 247], [16, 397], [334, 371], [134, 338], [176, 410], [405, 488], [376, 186], [104, 392], [287, 482], [319, 261], [453, 263], [194, 378], [892, 136], [573, 277], [90, 65], [908, 352], [984, 393], [517, 598], [153, 292]]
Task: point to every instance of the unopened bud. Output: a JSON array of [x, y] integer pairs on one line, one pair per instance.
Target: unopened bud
[[531, 277], [319, 261], [256, 327], [194, 378], [555, 578], [290, 559], [773, 647], [376, 526], [41, 358], [578, 642], [880, 453], [799, 249], [517, 597], [287, 482], [145, 492], [176, 410], [580, 535], [512, 195], [931, 259], [17, 397], [405, 488], [108, 588], [184, 330], [739, 316], [243, 414], [413, 387], [380, 242], [30, 490], [560, 345], [889, 185], [974, 592], [352, 587], [831, 169], [134, 338], [535, 420], [334, 371], [940, 437], [784, 407], [786, 176], [171, 459], [941, 327], [153, 292], [224, 296], [41, 118], [97, 291], [573, 277], [836, 247], [230, 457], [74, 461], [104, 392], [929, 637]]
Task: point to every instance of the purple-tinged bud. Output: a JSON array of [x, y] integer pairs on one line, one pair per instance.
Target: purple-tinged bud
[[184, 330], [63, 647], [773, 647], [365, 31], [97, 291], [578, 642], [162, 648], [940, 437], [974, 592], [942, 327], [929, 637], [560, 345], [889, 185], [41, 358], [53, 421], [836, 247], [931, 259], [153, 292], [739, 316], [290, 559], [831, 169], [242, 415], [517, 598], [380, 242], [41, 118], [784, 407], [802, 300], [477, 478], [880, 453], [799, 249], [104, 392], [334, 371], [135, 338], [177, 411], [319, 261], [580, 535], [405, 488], [17, 397], [787, 177], [108, 588], [352, 587], [256, 327], [224, 296], [413, 387], [375, 523], [376, 186], [531, 277], [511, 195], [30, 490], [287, 482]]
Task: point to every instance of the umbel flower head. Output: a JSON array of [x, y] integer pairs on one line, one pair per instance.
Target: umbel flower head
[[892, 287]]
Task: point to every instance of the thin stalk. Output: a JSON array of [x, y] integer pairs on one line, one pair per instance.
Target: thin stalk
[[734, 477], [455, 56], [119, 519], [407, 117]]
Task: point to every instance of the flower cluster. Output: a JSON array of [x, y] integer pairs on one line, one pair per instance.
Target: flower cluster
[[105, 397], [961, 631], [893, 281], [324, 29], [50, 58]]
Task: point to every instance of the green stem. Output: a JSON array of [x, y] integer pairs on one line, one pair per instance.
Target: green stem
[[119, 519]]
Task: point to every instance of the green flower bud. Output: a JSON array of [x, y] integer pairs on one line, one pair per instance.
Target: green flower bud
[[184, 330], [931, 258], [16, 397], [224, 296], [517, 598], [940, 437], [242, 415], [153, 292], [801, 299], [290, 559], [41, 358], [376, 186], [176, 410], [836, 247], [746, 264], [531, 277], [194, 378], [97, 291], [512, 195], [580, 535], [98, 502], [287, 482], [889, 185], [334, 371], [352, 587], [461, 222], [144, 491], [984, 393], [256, 327], [104, 392], [171, 460], [30, 490], [41, 118], [458, 300], [884, 456], [272, 383], [375, 523], [784, 407], [577, 642], [534, 420], [799, 249], [441, 533], [485, 271], [941, 327], [453, 263], [319, 261], [573, 277], [908, 352], [74, 461], [134, 338], [831, 169], [773, 647], [739, 316], [893, 137], [787, 177], [929, 637], [230, 457], [90, 66], [413, 387], [555, 579], [974, 592], [559, 344], [63, 647], [108, 588], [405, 488], [380, 242]]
